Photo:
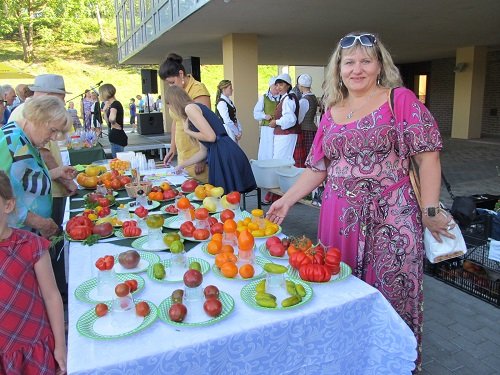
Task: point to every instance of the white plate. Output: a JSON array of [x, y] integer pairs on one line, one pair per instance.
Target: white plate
[[173, 222], [142, 243]]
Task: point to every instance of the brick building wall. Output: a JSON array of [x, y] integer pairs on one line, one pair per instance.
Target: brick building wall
[[491, 106], [440, 92]]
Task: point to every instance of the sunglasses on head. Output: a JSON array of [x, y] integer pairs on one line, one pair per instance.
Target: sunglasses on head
[[367, 40]]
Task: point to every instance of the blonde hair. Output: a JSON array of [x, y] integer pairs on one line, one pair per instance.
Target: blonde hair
[[177, 99], [107, 91], [47, 109], [335, 90]]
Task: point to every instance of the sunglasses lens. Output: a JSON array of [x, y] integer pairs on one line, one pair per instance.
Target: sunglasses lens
[[347, 41], [367, 40]]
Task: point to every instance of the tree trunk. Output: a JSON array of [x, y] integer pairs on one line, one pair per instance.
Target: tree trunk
[[29, 37], [99, 23], [24, 43]]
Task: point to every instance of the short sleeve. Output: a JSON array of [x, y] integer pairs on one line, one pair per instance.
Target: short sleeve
[[417, 130], [197, 90], [316, 158]]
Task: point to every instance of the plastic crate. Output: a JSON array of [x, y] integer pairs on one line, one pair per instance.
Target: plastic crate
[[451, 272], [478, 232]]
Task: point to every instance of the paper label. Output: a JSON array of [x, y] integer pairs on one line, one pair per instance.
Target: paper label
[[494, 253]]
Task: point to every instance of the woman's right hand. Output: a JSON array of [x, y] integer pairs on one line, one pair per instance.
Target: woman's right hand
[[278, 211], [169, 156], [48, 228]]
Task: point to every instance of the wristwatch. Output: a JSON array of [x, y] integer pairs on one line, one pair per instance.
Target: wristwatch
[[431, 211]]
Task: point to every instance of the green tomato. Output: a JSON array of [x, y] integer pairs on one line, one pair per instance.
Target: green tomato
[[168, 238], [195, 266], [176, 247]]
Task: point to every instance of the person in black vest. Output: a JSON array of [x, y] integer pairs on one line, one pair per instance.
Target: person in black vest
[[307, 113], [285, 122], [226, 110]]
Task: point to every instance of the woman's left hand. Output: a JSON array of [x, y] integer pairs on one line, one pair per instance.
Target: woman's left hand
[[439, 225], [65, 171]]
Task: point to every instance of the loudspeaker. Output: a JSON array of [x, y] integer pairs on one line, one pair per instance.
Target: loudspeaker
[[150, 123], [149, 80], [192, 66]]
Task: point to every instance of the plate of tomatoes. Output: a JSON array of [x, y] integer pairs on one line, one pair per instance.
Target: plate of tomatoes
[[176, 276], [241, 271], [87, 291], [104, 327], [344, 273], [197, 318]]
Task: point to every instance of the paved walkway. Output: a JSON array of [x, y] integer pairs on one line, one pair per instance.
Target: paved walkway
[[461, 332]]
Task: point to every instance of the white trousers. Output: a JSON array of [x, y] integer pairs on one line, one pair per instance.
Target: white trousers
[[284, 146], [266, 143]]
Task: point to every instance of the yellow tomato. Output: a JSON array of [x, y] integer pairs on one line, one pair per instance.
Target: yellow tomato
[[92, 217], [258, 233]]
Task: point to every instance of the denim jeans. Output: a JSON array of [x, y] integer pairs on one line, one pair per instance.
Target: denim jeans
[[116, 148]]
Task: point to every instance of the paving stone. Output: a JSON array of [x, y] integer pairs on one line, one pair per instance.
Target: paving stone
[[493, 360], [435, 368], [475, 370], [490, 335], [474, 337]]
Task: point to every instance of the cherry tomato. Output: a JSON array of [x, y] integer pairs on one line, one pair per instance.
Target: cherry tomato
[[122, 290], [142, 309], [101, 309], [132, 284]]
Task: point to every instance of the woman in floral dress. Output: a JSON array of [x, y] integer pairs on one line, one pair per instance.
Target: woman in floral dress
[[363, 148]]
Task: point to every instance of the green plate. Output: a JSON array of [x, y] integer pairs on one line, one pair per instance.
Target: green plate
[[205, 266], [149, 207], [80, 167], [141, 243], [263, 250], [274, 234], [85, 325], [258, 260], [248, 296], [227, 307], [67, 236], [119, 234], [172, 222], [147, 258], [192, 197], [115, 193], [345, 271], [83, 291]]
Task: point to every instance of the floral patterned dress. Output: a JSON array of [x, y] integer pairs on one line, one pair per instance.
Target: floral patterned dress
[[369, 209]]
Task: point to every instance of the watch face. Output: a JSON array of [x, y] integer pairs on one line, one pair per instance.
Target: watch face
[[431, 211]]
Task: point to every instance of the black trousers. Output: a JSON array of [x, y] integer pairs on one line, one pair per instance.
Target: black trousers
[[57, 256]]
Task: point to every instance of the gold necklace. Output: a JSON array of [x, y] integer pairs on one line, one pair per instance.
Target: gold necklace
[[351, 113]]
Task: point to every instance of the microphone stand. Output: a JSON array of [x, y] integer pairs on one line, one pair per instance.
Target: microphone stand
[[82, 95]]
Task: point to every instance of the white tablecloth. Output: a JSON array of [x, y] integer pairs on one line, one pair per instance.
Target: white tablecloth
[[346, 328]]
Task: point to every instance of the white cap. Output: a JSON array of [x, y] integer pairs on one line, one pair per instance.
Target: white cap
[[305, 80], [284, 77], [271, 81]]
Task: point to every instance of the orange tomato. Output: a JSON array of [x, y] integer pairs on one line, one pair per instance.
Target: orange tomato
[[229, 269], [183, 203], [226, 249], [155, 196], [214, 247], [222, 258], [292, 250], [107, 183], [217, 237], [246, 240], [247, 271], [230, 226]]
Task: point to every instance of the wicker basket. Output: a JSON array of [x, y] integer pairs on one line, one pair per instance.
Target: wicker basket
[[132, 189]]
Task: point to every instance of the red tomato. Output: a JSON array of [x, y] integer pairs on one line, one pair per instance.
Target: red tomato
[[132, 284], [187, 229], [101, 309], [79, 232], [332, 255], [103, 202], [201, 234], [122, 290], [125, 180], [109, 260], [314, 272], [116, 184], [78, 221], [316, 254], [129, 223], [106, 211], [212, 220], [217, 228], [213, 307], [201, 213], [101, 266], [226, 214], [132, 231], [141, 212], [233, 197], [298, 259], [142, 309]]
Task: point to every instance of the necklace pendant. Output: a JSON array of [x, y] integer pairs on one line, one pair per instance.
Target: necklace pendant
[[349, 115]]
